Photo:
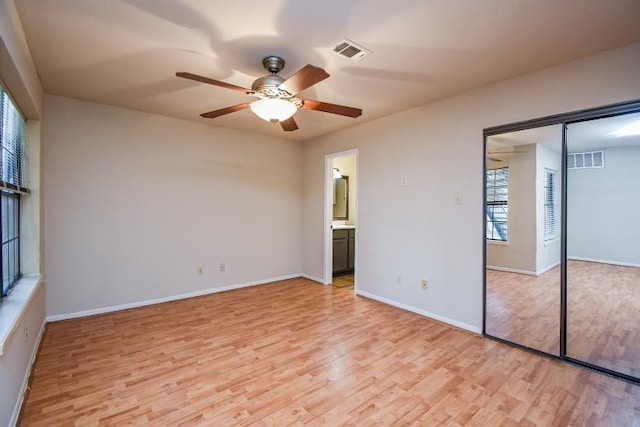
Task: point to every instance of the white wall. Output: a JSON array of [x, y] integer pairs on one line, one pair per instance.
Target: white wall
[[526, 250], [519, 252], [417, 231], [135, 203], [548, 251], [603, 209]]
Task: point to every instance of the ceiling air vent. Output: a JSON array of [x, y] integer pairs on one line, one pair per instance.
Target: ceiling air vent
[[350, 50]]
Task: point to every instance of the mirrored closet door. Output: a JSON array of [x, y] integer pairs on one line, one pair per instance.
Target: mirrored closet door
[[523, 237], [603, 243], [562, 237]]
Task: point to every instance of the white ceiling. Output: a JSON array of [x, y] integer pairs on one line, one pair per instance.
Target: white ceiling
[[601, 133], [126, 52], [581, 136]]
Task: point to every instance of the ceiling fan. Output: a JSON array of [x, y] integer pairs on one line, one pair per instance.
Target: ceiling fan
[[493, 155], [277, 101]]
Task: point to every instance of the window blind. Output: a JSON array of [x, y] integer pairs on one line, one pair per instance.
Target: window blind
[[12, 186], [12, 140], [549, 204]]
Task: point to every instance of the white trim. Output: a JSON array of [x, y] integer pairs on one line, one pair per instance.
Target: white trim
[[552, 266], [327, 220], [19, 190], [424, 313], [527, 272], [314, 278], [25, 383], [15, 305], [102, 310], [511, 270], [620, 263]]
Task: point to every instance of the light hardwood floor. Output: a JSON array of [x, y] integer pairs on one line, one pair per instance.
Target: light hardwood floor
[[296, 352], [603, 312], [525, 309]]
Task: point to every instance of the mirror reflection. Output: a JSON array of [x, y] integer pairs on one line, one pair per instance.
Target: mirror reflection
[[523, 237], [341, 198], [603, 243]]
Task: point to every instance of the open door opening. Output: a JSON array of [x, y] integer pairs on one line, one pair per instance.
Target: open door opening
[[341, 219]]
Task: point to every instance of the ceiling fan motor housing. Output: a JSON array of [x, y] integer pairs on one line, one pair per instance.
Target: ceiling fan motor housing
[[273, 64], [268, 85], [267, 88]]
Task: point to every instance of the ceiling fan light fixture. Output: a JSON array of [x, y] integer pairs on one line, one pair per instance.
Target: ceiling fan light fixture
[[277, 97], [273, 110]]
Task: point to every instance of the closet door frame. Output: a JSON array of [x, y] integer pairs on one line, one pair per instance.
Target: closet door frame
[[564, 119]]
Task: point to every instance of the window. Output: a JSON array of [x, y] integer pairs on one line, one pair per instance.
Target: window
[[12, 144], [497, 204], [549, 204]]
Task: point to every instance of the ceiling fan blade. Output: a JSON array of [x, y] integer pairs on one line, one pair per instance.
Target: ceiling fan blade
[[207, 80], [223, 111], [306, 77], [331, 108], [289, 124]]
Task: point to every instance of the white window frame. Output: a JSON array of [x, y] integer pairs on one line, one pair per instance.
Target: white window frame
[[491, 221]]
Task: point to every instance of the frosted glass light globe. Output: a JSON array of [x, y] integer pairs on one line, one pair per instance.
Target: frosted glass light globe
[[273, 109]]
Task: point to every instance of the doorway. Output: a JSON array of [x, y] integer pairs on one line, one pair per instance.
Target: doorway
[[341, 219]]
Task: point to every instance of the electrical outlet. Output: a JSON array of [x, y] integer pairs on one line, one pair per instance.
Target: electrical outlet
[[26, 331], [398, 279], [222, 266], [199, 271], [425, 284]]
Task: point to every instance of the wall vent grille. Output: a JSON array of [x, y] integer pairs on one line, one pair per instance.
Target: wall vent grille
[[585, 160], [350, 50]]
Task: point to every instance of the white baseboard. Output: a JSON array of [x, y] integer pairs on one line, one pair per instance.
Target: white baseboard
[[544, 270], [511, 270], [527, 272], [93, 312], [27, 375], [314, 278], [424, 313], [602, 261]]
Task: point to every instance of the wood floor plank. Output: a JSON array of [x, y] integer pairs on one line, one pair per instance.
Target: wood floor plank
[[603, 308], [295, 352]]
